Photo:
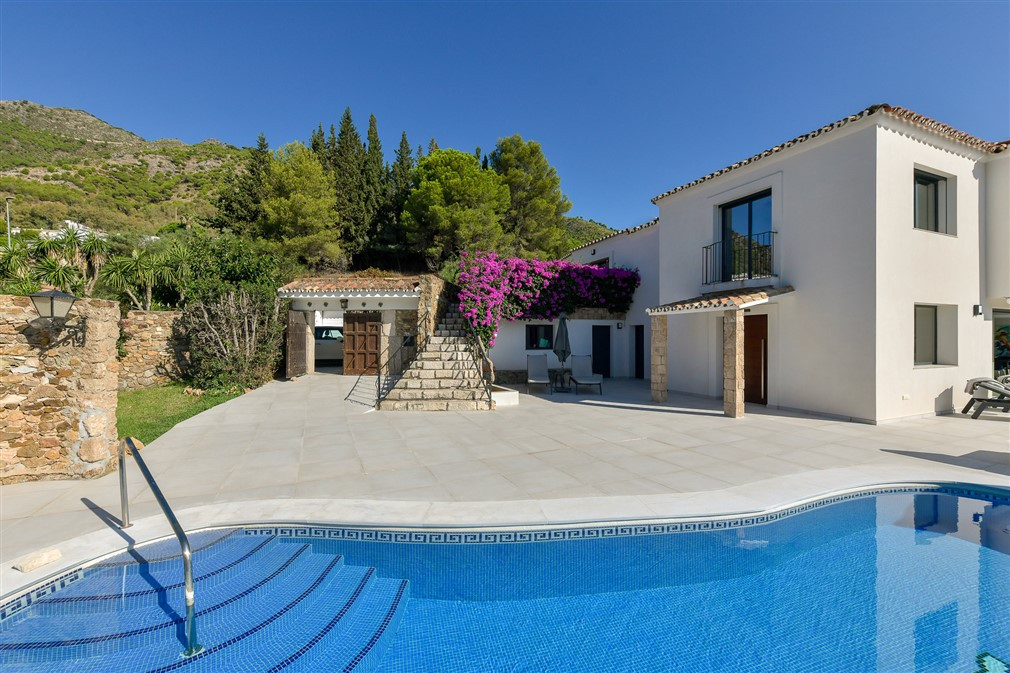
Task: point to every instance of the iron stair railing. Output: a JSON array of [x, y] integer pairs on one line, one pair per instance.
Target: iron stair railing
[[192, 646], [391, 369]]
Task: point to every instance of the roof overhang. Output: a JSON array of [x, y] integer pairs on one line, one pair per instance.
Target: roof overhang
[[730, 300], [349, 294]]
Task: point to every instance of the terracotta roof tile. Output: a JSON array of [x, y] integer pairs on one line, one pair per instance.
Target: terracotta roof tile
[[351, 283], [629, 230], [728, 299], [897, 112]]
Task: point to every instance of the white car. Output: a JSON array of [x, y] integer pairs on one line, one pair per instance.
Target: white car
[[329, 343]]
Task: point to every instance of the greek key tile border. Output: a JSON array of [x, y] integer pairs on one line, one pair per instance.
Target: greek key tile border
[[22, 602], [420, 536], [25, 601]]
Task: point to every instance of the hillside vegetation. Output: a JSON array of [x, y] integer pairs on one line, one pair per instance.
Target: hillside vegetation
[[62, 164], [68, 164]]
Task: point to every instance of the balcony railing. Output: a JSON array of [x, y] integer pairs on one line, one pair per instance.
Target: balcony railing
[[740, 258]]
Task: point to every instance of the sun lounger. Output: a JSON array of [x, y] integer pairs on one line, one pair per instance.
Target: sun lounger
[[537, 373], [582, 372], [998, 395]]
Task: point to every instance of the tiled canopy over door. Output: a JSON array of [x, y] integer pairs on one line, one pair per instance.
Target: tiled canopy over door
[[362, 336]]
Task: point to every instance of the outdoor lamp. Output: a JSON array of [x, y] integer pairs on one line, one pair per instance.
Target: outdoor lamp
[[53, 307], [343, 303]]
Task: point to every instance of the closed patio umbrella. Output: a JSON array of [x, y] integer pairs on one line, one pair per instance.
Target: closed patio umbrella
[[562, 346]]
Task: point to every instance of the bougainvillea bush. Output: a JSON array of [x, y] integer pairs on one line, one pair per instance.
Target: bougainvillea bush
[[495, 289]]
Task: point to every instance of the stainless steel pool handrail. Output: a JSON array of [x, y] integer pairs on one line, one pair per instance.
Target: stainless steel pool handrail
[[192, 646]]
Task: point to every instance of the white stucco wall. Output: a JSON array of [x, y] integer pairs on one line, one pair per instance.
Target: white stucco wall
[[509, 352], [635, 250], [923, 267], [997, 223], [821, 354]]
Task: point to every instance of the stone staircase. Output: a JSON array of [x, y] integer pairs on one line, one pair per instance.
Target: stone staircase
[[443, 377]]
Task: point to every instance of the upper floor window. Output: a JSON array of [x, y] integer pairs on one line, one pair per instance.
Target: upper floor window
[[539, 337], [747, 237], [931, 202]]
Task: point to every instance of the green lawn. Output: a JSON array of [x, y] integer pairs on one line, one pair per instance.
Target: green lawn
[[148, 414]]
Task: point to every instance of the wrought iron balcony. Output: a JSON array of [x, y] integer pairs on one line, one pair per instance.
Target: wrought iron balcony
[[740, 258]]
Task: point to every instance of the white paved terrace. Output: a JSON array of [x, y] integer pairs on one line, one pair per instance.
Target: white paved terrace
[[298, 451]]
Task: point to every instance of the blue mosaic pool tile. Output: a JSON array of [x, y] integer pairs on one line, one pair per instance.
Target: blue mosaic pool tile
[[147, 619]]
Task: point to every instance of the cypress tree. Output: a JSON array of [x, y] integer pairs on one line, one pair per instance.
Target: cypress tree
[[331, 149], [432, 146], [376, 183], [400, 175], [349, 180], [240, 204], [317, 143]]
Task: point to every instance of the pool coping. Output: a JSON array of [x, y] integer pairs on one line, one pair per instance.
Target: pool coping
[[497, 533]]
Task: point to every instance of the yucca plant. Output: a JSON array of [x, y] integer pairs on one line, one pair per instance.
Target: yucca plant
[[94, 252], [137, 276], [59, 273]]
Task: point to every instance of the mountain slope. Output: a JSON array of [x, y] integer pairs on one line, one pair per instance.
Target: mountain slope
[[68, 164]]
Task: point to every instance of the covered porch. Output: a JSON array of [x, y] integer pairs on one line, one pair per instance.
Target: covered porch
[[744, 357]]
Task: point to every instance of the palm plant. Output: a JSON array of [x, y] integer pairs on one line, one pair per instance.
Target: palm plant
[[137, 276], [58, 272], [177, 267], [15, 261], [94, 252], [46, 247]]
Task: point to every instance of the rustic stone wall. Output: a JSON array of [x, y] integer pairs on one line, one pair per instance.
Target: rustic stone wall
[[57, 398], [732, 363], [433, 300], [657, 369], [153, 350]]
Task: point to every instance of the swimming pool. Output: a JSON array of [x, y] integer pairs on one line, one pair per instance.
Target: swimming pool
[[895, 579]]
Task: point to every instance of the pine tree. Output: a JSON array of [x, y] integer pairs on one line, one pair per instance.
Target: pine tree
[[394, 238], [432, 146], [331, 149], [317, 144], [240, 204], [349, 180]]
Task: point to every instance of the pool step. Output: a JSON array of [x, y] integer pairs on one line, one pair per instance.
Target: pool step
[[287, 608], [210, 567]]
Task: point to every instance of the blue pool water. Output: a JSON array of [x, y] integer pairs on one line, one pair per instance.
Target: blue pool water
[[890, 582]]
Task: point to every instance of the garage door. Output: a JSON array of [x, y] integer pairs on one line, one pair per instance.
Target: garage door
[[362, 332]]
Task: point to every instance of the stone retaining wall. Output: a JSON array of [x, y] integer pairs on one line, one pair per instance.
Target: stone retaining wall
[[57, 398], [152, 351]]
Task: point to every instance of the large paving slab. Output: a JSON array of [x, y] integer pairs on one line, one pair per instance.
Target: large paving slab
[[305, 451]]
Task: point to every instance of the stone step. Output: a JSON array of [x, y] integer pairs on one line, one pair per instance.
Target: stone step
[[441, 363], [455, 339], [413, 384], [439, 375], [449, 333], [445, 355], [435, 394], [436, 405]]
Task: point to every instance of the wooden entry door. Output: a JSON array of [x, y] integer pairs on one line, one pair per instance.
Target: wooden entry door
[[755, 358], [601, 350], [298, 334], [362, 336]]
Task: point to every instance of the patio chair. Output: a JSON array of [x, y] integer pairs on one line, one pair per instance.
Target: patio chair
[[582, 372], [536, 372], [1000, 391]]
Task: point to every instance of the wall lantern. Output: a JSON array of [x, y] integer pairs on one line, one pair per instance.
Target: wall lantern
[[620, 325], [343, 303], [53, 307]]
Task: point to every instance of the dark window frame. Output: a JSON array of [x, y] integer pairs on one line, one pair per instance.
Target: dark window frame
[[928, 179], [533, 336], [729, 262]]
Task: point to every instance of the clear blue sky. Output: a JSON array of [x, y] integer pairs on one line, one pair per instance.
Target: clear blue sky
[[627, 99]]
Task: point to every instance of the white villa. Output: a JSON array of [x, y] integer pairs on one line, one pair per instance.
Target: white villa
[[860, 271]]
